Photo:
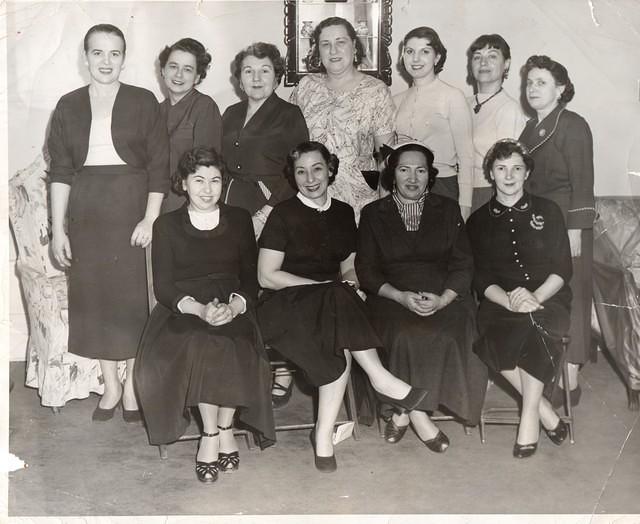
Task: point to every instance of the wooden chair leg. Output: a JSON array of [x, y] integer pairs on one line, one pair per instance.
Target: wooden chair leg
[[162, 448]]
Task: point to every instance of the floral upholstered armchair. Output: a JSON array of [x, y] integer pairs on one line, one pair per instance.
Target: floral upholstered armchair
[[58, 375]]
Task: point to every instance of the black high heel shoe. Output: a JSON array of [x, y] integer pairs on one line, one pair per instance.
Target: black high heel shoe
[[408, 403], [228, 462], [521, 451], [558, 434], [323, 464], [207, 471], [437, 444], [394, 433]]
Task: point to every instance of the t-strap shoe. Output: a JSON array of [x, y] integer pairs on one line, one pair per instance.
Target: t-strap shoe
[[207, 471], [228, 462]]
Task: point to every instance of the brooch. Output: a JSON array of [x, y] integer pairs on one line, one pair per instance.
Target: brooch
[[542, 132], [537, 221]]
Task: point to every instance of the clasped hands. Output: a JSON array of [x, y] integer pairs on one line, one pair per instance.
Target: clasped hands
[[521, 300], [217, 313], [422, 303]]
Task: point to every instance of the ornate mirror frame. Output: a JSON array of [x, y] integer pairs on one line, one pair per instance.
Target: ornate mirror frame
[[370, 18]]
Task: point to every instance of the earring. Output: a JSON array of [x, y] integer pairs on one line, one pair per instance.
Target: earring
[[506, 74]]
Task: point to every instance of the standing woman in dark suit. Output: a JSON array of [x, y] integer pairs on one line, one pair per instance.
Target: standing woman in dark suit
[[258, 133], [192, 118], [561, 145], [109, 161]]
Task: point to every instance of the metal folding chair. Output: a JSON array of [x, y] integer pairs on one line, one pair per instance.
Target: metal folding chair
[[511, 415]]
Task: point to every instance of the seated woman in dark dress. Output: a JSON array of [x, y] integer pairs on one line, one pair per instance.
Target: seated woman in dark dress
[[310, 311], [201, 346], [414, 260], [523, 266]]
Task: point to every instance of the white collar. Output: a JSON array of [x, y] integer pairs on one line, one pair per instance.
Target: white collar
[[204, 221], [310, 203]]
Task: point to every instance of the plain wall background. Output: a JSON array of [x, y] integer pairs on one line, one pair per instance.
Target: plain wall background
[[598, 41]]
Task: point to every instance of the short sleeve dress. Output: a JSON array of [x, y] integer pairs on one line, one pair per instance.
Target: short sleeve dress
[[194, 121], [433, 352], [517, 246], [347, 122], [311, 325], [182, 360]]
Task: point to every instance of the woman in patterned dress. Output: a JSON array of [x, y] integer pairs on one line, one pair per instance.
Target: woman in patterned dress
[[349, 112]]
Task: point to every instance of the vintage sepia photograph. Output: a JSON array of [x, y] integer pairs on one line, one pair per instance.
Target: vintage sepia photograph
[[321, 261]]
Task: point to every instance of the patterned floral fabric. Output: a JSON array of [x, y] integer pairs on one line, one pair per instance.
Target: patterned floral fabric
[[347, 122], [58, 375]]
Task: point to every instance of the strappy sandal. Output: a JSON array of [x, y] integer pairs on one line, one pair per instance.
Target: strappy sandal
[[278, 401], [207, 471], [228, 461]]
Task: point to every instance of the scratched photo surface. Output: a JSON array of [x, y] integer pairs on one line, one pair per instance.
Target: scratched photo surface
[[61, 464]]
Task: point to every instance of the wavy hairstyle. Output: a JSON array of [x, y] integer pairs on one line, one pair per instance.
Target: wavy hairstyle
[[503, 149], [388, 175], [330, 159], [312, 60], [558, 72], [191, 161], [193, 47], [436, 44], [260, 50]]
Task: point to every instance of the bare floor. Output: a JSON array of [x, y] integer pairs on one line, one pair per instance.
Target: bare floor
[[76, 467]]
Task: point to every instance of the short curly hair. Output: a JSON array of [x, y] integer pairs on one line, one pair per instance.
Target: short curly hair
[[260, 50], [330, 159], [557, 70], [312, 60], [388, 175], [503, 149], [436, 44], [492, 41], [188, 45], [191, 161]]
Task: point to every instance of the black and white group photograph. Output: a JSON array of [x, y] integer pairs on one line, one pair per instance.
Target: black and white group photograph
[[320, 261]]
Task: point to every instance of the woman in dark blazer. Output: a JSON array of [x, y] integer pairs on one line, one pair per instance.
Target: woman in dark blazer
[[561, 145], [258, 134], [414, 261], [192, 118], [109, 171]]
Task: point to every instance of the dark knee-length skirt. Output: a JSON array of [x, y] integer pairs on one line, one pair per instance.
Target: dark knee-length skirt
[[312, 325], [529, 341], [107, 280], [183, 361], [434, 353]]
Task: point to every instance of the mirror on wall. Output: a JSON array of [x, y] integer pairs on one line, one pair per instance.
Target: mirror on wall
[[370, 18]]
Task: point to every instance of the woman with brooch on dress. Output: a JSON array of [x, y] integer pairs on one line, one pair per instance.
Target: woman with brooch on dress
[[561, 145], [109, 172], [522, 269], [495, 114], [192, 118]]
